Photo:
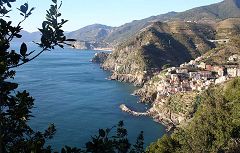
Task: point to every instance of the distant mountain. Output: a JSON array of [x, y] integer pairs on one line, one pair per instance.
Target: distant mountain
[[108, 36], [205, 14], [219, 11], [128, 30], [29, 37], [91, 33], [98, 35]]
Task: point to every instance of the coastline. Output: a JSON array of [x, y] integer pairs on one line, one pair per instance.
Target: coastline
[[150, 112], [103, 49], [109, 49]]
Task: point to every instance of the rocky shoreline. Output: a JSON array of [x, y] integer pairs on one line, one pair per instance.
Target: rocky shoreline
[[138, 79]]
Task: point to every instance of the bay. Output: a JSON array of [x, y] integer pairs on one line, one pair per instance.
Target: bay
[[75, 95]]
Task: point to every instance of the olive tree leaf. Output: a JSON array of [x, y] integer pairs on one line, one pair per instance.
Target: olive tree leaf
[[54, 1], [23, 8], [23, 49]]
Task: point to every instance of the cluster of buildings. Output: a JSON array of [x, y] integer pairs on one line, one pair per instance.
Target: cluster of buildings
[[197, 76]]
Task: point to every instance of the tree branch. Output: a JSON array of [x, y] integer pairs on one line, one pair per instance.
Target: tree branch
[[24, 62], [12, 34]]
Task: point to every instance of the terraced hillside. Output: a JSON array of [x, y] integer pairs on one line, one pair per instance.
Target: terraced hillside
[[228, 28], [215, 12]]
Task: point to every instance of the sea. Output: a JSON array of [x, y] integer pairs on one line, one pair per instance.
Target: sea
[[76, 96]]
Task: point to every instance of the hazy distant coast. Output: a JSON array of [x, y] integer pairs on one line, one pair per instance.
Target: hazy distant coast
[[103, 49]]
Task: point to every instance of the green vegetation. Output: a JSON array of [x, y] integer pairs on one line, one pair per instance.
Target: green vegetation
[[156, 78], [182, 103], [107, 142], [166, 66], [164, 145], [220, 55], [228, 28], [215, 126]]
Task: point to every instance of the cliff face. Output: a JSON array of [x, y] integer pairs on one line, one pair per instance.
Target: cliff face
[[83, 45], [91, 45], [127, 66], [155, 46]]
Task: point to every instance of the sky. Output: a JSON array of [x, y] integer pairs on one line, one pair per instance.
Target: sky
[[81, 13]]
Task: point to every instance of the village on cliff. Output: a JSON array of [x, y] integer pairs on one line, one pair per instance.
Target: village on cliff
[[197, 76], [192, 76]]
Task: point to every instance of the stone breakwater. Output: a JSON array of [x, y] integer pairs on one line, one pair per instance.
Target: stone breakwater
[[152, 112], [124, 108]]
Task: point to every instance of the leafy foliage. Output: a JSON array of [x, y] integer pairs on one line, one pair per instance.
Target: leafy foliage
[[16, 136], [164, 145], [15, 106], [105, 143]]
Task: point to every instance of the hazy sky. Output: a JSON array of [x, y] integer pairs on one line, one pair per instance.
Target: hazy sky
[[81, 13]]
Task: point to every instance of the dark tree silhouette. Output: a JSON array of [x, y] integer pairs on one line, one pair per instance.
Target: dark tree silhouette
[[16, 136], [15, 107]]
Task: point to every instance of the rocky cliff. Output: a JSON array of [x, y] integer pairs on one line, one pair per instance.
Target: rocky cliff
[[157, 45], [83, 45]]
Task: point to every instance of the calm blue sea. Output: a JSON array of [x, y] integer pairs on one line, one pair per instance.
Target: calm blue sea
[[73, 93]]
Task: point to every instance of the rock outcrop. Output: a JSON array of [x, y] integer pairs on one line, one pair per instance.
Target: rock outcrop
[[83, 45], [91, 45], [100, 58]]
